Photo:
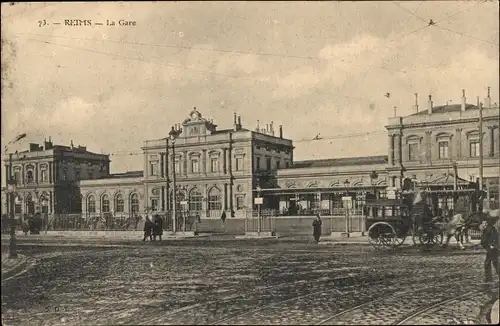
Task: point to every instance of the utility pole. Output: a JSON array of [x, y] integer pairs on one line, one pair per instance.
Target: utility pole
[[480, 146], [11, 182], [166, 176]]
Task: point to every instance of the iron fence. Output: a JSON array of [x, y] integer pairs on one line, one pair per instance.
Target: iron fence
[[267, 221]]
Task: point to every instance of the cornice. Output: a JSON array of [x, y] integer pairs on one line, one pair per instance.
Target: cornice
[[411, 125]]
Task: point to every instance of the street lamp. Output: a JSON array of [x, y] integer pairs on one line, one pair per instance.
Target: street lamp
[[373, 178], [173, 134], [11, 185]]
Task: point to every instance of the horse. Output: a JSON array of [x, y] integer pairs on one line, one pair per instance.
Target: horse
[[460, 224]]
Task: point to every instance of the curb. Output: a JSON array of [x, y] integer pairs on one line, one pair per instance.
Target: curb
[[494, 313], [17, 268]]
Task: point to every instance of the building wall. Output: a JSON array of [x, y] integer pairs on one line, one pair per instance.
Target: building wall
[[457, 128]]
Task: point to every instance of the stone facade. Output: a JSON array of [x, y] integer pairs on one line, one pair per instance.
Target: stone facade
[[429, 143], [48, 177]]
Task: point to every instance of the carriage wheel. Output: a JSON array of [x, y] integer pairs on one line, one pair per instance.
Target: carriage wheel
[[382, 235], [431, 237], [399, 240]]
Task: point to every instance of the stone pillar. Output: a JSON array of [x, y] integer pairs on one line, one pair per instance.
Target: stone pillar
[[162, 162], [491, 151], [51, 202], [225, 197], [50, 172], [458, 143], [224, 160], [23, 171], [185, 165], [397, 149], [428, 147], [204, 162], [391, 149], [163, 203], [35, 176]]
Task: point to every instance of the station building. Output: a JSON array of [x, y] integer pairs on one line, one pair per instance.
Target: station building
[[220, 170]]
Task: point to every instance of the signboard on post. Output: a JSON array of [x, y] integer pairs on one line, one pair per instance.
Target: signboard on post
[[258, 200], [347, 200]]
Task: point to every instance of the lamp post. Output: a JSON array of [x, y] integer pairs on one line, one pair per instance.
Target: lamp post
[[347, 203], [258, 210], [173, 134], [11, 185]]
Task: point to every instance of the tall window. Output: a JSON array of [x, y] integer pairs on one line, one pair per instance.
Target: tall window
[[177, 166], [239, 163], [119, 203], [195, 165], [105, 204], [278, 164], [134, 203], [17, 175], [195, 200], [268, 163], [474, 147], [29, 177], [257, 163], [91, 204], [412, 151], [65, 174], [153, 168], [30, 205], [154, 204], [43, 174], [214, 198], [214, 162], [18, 206], [443, 149], [240, 202]]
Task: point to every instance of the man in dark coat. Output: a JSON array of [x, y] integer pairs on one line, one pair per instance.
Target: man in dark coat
[[148, 229], [489, 241], [158, 227], [223, 217], [317, 228]]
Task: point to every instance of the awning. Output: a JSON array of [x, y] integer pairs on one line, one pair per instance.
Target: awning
[[442, 180], [385, 202]]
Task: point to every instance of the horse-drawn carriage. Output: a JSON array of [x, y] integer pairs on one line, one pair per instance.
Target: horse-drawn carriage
[[391, 221]]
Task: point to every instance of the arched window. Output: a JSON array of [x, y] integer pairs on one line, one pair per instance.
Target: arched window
[[91, 204], [134, 203], [195, 199], [119, 203], [105, 204], [44, 201], [17, 175], [214, 197], [43, 173]]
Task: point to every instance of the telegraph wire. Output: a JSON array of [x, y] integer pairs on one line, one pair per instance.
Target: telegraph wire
[[467, 35], [340, 136]]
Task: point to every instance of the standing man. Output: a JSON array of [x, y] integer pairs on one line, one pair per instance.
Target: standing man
[[489, 241], [223, 217], [317, 228]]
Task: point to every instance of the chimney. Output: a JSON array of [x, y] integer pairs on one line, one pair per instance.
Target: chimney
[[239, 122], [416, 102], [463, 100], [281, 131], [258, 126], [487, 100], [429, 109], [267, 129], [235, 124], [272, 128]]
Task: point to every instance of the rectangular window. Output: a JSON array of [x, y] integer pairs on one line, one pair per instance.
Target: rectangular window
[[154, 204], [213, 165], [239, 163], [287, 165], [443, 149], [195, 166], [240, 202], [195, 130], [77, 175], [17, 176], [177, 166], [278, 163], [268, 163], [413, 152], [257, 163], [153, 168], [474, 148]]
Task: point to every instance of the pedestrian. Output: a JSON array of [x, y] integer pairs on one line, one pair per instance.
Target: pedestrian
[[489, 241], [223, 217], [148, 229], [317, 228], [158, 227]]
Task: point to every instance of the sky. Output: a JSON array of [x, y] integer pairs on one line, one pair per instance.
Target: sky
[[314, 67]]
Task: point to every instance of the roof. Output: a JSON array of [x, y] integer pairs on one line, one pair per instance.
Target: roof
[[362, 160], [128, 174], [446, 109], [223, 131], [443, 179]]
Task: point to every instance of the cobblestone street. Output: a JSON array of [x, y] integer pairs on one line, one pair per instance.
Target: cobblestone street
[[204, 282]]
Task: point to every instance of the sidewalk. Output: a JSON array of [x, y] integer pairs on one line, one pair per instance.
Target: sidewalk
[[115, 235], [12, 266]]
